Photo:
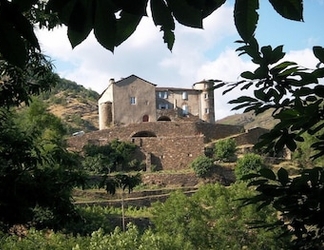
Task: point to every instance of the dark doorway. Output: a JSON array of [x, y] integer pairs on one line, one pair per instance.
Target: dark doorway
[[145, 118]]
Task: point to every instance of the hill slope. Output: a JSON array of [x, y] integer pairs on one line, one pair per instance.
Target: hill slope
[[249, 120], [74, 104]]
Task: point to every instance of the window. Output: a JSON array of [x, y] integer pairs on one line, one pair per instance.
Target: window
[[206, 110], [206, 95], [185, 110], [163, 106], [163, 94], [133, 100], [184, 95], [145, 118]]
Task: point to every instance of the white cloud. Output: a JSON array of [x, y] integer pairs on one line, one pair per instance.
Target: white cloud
[[304, 58]]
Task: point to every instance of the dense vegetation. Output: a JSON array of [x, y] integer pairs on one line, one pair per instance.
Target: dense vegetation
[[210, 219]]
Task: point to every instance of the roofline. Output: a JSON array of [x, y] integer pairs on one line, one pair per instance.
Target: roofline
[[173, 88], [136, 77]]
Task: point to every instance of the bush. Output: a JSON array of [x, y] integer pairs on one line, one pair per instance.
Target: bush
[[249, 163], [202, 166], [225, 150]]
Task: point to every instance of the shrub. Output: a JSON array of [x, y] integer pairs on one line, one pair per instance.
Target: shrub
[[202, 166], [225, 150], [249, 163]]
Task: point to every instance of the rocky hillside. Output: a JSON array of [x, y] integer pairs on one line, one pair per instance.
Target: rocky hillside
[[249, 120], [74, 104]]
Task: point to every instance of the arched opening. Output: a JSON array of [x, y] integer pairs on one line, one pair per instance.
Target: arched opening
[[164, 119], [144, 134], [145, 118]]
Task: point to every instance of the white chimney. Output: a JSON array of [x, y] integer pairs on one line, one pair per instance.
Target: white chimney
[[111, 81]]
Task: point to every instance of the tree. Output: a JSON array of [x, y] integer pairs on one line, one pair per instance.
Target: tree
[[214, 218], [225, 150], [202, 166], [123, 181], [296, 96], [37, 173], [105, 159], [249, 163]]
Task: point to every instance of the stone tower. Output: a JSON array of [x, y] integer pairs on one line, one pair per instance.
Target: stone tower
[[207, 108]]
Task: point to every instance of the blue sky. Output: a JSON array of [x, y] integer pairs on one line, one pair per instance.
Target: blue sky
[[197, 54]]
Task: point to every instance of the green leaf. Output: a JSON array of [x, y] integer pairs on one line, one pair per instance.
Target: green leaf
[[319, 73], [250, 176], [11, 13], [62, 7], [12, 46], [290, 143], [260, 94], [248, 75], [290, 9], [126, 25], [243, 99], [105, 25], [267, 173], [162, 16], [319, 90], [319, 53], [276, 54], [283, 176], [186, 14], [137, 7], [206, 6], [81, 21], [169, 38], [246, 17]]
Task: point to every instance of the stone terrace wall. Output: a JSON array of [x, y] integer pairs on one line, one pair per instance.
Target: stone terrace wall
[[172, 145], [160, 129], [251, 136], [218, 131], [170, 153]]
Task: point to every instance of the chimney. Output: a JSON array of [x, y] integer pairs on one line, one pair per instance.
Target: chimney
[[111, 81]]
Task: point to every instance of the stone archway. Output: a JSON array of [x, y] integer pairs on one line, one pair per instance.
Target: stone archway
[[144, 134], [164, 119]]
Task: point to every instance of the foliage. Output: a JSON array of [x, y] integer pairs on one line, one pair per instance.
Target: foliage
[[105, 159], [19, 85], [296, 95], [304, 152], [213, 217], [37, 173], [71, 89], [225, 149], [122, 181], [249, 163], [131, 239], [114, 21], [299, 200], [202, 166]]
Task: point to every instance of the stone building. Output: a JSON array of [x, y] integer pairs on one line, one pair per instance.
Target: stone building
[[135, 100]]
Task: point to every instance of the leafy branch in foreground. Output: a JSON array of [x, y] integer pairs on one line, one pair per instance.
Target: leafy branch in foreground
[[299, 200], [113, 21], [294, 93], [296, 96]]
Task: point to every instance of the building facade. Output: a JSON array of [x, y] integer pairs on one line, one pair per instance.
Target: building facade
[[135, 100]]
